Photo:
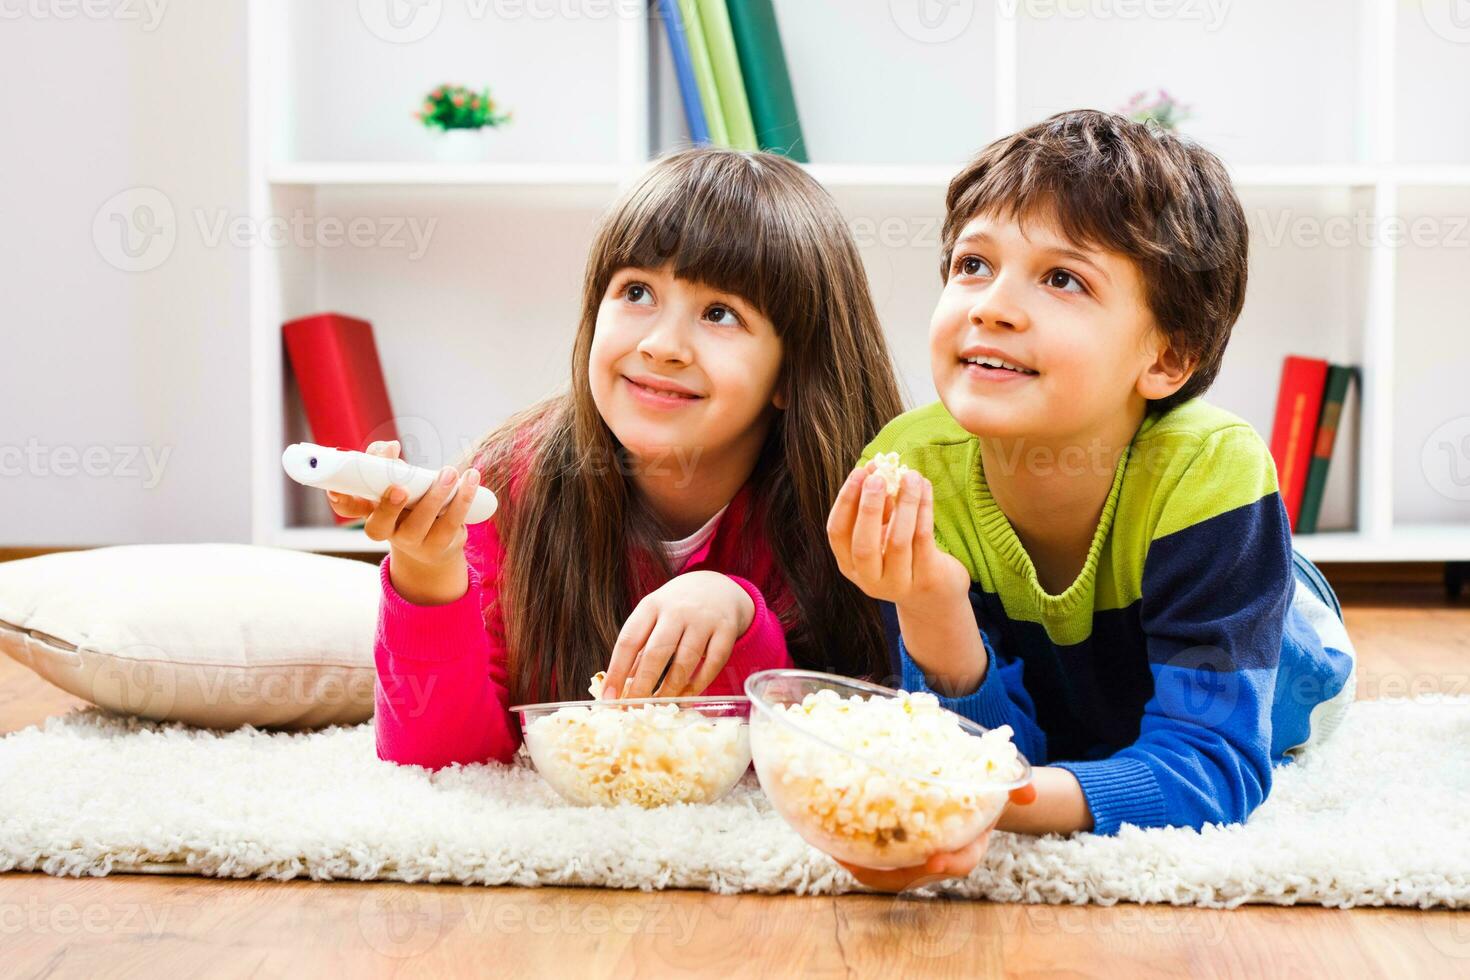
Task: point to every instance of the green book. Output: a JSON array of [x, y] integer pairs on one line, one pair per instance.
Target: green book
[[1333, 397], [719, 37], [767, 80], [704, 73]]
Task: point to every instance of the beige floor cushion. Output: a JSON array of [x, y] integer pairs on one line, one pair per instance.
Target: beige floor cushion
[[215, 635]]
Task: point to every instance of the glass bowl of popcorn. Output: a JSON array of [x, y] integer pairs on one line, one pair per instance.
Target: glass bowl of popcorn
[[876, 777], [645, 751]]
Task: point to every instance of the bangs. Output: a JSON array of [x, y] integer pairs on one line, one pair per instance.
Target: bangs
[[726, 221]]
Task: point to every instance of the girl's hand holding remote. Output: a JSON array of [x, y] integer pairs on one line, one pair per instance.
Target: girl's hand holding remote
[[427, 562], [694, 619]]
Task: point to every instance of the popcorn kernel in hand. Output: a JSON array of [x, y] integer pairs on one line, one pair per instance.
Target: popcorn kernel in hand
[[891, 470]]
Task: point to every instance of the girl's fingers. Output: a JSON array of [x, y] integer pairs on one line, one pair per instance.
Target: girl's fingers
[[631, 639], [867, 532], [692, 646], [662, 643], [346, 505], [844, 513], [383, 521], [716, 655], [416, 525], [448, 526]]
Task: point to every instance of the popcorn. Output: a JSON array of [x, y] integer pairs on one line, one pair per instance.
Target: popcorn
[[873, 803], [891, 470], [650, 754]]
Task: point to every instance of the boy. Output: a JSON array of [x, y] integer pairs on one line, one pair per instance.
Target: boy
[[1120, 543]]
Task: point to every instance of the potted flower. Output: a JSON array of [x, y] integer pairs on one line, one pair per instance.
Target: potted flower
[[1157, 107], [458, 117]]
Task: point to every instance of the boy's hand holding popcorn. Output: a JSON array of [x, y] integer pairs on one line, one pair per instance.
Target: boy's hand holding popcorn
[[884, 543]]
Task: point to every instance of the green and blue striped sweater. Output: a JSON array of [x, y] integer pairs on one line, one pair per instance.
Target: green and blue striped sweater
[[1177, 670]]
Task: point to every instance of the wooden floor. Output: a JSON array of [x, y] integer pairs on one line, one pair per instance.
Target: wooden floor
[[1410, 640]]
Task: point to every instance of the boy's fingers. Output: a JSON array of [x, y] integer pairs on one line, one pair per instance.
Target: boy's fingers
[[867, 532], [898, 550], [1023, 795], [840, 521], [630, 640]]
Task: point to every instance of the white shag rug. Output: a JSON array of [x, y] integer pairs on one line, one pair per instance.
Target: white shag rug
[[1376, 816]]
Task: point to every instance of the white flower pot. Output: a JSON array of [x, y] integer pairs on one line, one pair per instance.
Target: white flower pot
[[461, 145]]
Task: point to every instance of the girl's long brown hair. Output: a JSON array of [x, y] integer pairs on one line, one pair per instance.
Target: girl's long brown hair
[[759, 226]]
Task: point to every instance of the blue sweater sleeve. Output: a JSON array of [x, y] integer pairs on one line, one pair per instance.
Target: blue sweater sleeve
[[1216, 591], [1001, 698]]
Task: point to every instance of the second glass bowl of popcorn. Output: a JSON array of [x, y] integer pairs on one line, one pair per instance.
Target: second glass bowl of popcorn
[[876, 777], [645, 751]]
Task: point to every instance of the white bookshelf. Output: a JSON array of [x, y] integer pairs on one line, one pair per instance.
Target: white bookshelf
[[1349, 133]]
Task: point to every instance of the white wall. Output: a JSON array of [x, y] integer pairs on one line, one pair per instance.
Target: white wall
[[106, 370]]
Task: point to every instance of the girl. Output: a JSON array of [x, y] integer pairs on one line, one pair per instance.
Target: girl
[[669, 511]]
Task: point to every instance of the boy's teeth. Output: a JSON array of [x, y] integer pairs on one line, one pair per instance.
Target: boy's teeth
[[998, 363]]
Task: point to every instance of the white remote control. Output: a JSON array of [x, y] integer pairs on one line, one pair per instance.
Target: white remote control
[[368, 476]]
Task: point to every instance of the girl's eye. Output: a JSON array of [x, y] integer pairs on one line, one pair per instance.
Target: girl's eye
[[971, 265], [637, 292], [722, 315], [1059, 278]]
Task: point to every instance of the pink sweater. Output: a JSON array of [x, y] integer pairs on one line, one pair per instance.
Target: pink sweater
[[442, 693]]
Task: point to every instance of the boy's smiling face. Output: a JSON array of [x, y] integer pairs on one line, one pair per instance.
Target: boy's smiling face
[[1073, 317]]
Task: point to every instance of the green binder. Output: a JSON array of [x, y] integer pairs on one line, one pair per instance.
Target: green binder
[[767, 80], [719, 37], [1338, 377], [704, 73]]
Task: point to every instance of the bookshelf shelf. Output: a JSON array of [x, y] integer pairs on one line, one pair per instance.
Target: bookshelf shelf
[[921, 175], [480, 323]]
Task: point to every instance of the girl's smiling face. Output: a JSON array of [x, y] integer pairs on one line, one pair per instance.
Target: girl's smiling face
[[679, 366], [1073, 318]]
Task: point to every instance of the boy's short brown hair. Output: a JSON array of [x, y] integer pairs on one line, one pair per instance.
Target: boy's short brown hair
[[1132, 188]]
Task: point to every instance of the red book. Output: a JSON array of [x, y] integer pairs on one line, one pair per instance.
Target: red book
[[1298, 406], [337, 369]]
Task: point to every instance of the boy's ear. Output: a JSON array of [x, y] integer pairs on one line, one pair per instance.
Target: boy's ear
[[1167, 374]]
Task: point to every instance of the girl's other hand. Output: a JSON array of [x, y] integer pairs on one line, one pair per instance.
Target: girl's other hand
[[690, 624]]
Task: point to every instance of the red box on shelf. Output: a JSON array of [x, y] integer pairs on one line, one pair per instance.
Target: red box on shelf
[[335, 362]]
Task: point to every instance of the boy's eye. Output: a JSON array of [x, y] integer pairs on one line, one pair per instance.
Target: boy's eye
[[970, 265], [722, 315], [637, 292], [1059, 278]]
